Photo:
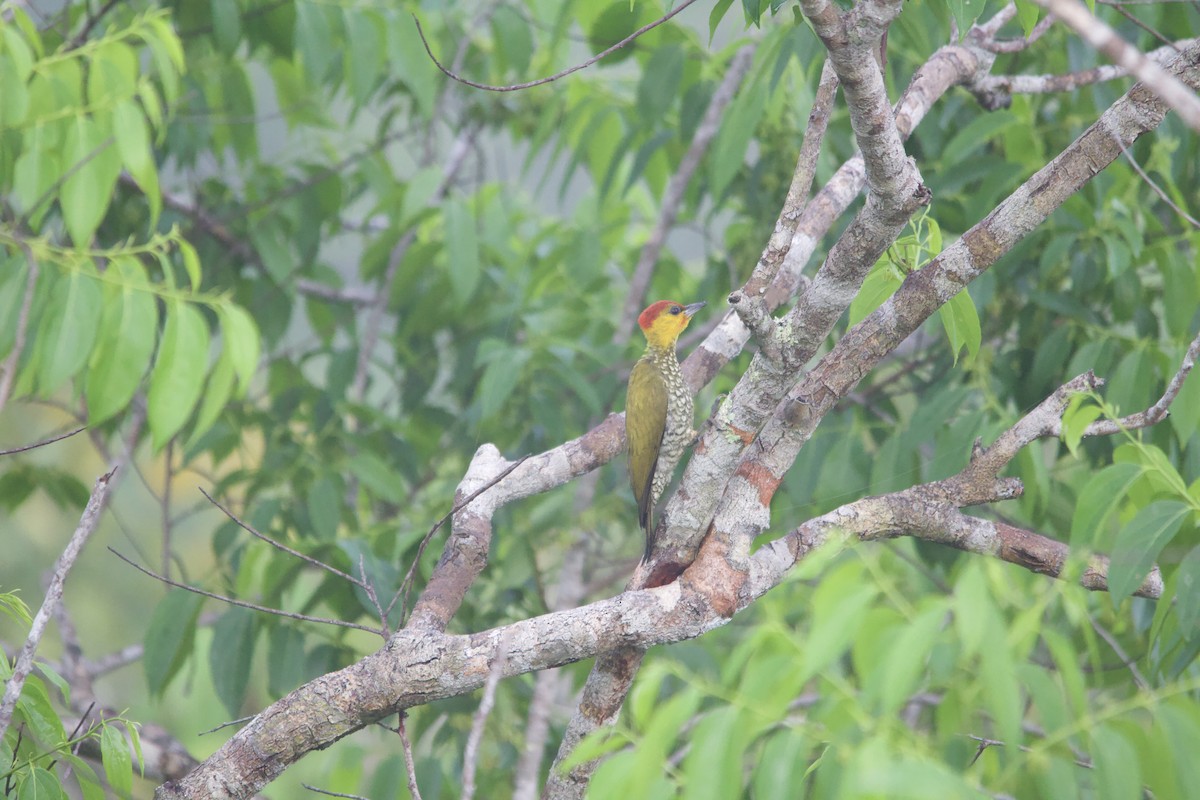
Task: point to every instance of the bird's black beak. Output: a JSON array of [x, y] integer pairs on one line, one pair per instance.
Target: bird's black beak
[[693, 308]]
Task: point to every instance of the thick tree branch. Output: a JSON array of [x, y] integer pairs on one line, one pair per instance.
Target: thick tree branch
[[691, 507], [420, 665], [994, 91], [744, 509], [1174, 92], [24, 661]]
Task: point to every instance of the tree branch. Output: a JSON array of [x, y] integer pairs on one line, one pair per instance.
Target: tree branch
[[24, 661], [420, 665], [1176, 94]]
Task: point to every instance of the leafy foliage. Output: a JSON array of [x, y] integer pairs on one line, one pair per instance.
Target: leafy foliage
[[323, 275]]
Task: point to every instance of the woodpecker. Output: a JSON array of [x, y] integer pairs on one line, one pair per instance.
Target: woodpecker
[[658, 409]]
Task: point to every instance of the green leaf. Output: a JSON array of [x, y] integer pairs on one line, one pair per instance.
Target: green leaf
[[753, 10], [834, 624], [94, 164], [14, 275], [216, 396], [1100, 496], [907, 658], [737, 127], [285, 660], [40, 785], [365, 58], [58, 681], [1185, 411], [659, 86], [133, 146], [125, 342], [1139, 542], [241, 340], [713, 764], [14, 103], [412, 65], [68, 328], [324, 508], [378, 477], [313, 36], [961, 321], [499, 379], [112, 74], [1080, 413], [1187, 594], [1116, 764], [38, 712], [271, 244], [227, 25], [462, 251], [965, 13], [191, 263], [35, 173], [977, 133], [514, 43], [179, 370], [230, 656], [1028, 14], [90, 787], [169, 637], [715, 16], [881, 283], [118, 766]]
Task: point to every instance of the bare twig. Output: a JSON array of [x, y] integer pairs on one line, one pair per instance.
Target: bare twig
[[1045, 84], [530, 84], [1130, 663], [165, 506], [471, 751], [1017, 45], [328, 793], [1158, 189], [984, 744], [1150, 29], [410, 766], [369, 589], [227, 724], [1156, 412], [42, 443], [92, 19], [242, 603], [281, 546], [24, 661], [354, 297], [1174, 92]]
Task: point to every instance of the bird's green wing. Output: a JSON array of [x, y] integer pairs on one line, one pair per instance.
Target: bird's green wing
[[645, 421]]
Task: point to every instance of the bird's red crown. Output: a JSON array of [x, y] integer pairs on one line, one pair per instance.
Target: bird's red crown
[[654, 310]]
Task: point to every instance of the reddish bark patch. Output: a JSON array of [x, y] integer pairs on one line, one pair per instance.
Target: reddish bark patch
[[746, 436], [663, 573], [712, 578], [761, 478]]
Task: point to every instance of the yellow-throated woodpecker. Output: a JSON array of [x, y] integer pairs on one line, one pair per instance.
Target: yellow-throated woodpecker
[[658, 409]]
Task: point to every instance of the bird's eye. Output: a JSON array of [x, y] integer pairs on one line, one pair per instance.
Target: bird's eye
[[676, 309]]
